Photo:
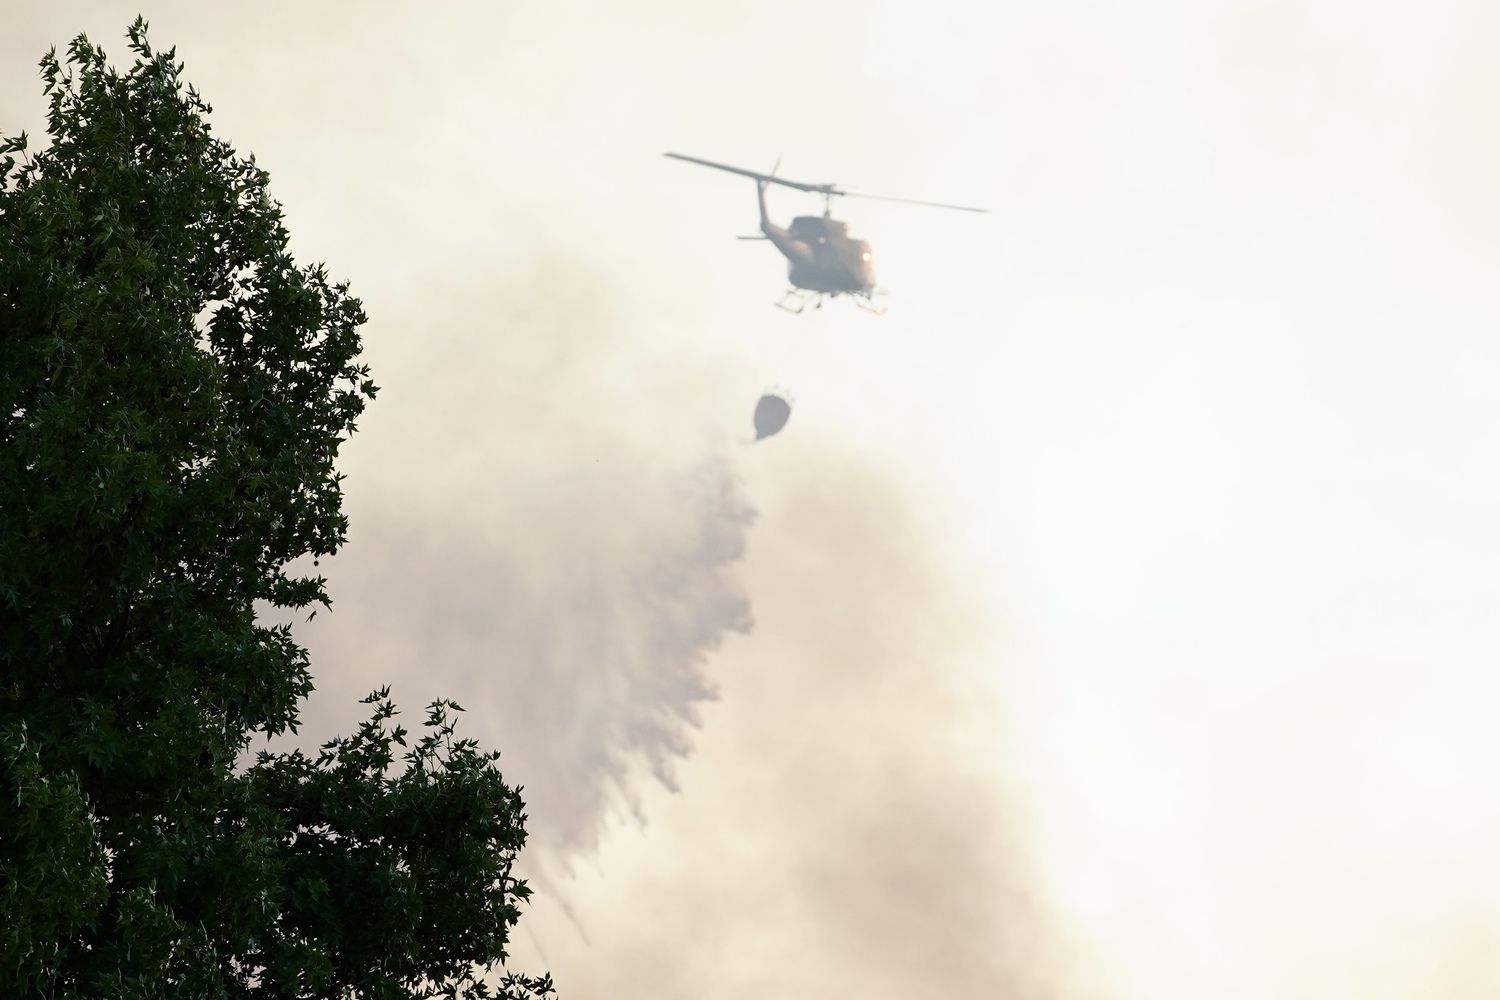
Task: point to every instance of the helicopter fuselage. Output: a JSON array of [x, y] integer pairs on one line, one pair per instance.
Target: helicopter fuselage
[[823, 258]]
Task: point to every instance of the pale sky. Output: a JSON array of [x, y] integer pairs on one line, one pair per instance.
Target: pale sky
[[1116, 616]]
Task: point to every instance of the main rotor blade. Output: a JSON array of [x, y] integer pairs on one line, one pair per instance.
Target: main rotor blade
[[910, 201], [768, 178], [824, 189]]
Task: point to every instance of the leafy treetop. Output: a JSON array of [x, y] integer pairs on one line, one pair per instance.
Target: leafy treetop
[[174, 391]]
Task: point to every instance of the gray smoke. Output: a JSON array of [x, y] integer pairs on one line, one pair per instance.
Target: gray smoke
[[545, 528], [845, 826]]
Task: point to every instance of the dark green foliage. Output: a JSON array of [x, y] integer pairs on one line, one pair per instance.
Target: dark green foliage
[[173, 393]]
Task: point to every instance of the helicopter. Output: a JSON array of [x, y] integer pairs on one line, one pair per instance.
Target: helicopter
[[824, 260]]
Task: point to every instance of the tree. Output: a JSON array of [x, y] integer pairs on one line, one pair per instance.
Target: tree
[[174, 390]]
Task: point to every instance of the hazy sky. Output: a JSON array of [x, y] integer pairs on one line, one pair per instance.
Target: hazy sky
[[1115, 618]]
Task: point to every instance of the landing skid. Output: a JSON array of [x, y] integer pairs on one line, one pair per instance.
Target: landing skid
[[799, 299], [796, 300]]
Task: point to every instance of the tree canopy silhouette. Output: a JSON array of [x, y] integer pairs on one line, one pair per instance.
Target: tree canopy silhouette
[[174, 390]]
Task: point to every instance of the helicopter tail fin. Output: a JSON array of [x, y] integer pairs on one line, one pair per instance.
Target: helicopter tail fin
[[761, 184], [793, 249]]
